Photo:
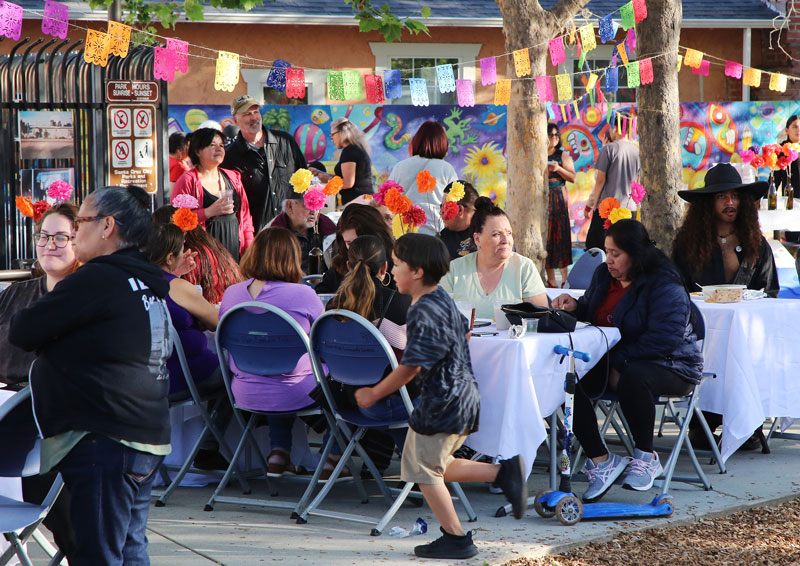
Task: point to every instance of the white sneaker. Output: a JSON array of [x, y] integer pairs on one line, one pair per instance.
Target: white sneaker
[[644, 469], [603, 476]]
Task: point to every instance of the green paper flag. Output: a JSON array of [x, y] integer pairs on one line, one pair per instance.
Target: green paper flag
[[628, 16], [335, 85], [352, 85], [632, 69], [582, 59]]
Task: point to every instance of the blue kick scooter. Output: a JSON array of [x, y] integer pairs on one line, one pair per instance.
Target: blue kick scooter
[[563, 503]]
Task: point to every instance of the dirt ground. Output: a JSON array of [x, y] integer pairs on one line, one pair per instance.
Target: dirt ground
[[758, 536]]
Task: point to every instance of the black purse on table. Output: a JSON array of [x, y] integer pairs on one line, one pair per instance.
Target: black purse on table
[[550, 320]]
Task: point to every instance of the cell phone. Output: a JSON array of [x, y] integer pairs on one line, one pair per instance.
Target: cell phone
[[484, 333]]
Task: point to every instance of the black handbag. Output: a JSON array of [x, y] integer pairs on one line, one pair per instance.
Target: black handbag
[[550, 320]]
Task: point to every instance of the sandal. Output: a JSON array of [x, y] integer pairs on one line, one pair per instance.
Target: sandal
[[327, 470], [279, 463]]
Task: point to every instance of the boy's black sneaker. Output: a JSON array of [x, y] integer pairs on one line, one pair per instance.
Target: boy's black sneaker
[[454, 547], [511, 479]]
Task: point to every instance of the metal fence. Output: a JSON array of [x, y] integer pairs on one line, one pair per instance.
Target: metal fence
[[51, 75]]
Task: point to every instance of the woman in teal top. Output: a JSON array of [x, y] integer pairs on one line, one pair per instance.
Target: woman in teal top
[[495, 273]]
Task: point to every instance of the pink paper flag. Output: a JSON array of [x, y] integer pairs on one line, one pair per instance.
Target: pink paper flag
[[55, 18], [646, 71], [295, 82], [374, 85], [733, 69], [639, 10], [164, 64], [10, 20], [557, 54], [703, 69], [466, 95], [488, 71], [545, 88], [181, 49], [630, 40]]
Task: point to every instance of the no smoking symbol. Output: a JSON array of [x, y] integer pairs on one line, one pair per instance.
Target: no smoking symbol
[[120, 119], [142, 119], [121, 151]]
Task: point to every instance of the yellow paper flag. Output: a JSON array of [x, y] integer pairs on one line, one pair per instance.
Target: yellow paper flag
[[563, 113], [680, 63], [752, 77], [97, 47], [227, 71], [502, 92], [622, 53], [564, 84], [120, 38], [588, 41], [777, 82], [693, 58], [522, 62], [572, 34], [575, 106], [591, 82]]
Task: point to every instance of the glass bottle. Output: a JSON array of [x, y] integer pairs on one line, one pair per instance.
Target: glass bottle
[[789, 196], [315, 255], [772, 195]]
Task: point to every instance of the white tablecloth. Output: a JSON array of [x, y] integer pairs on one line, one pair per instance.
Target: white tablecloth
[[780, 219], [522, 382], [752, 347]]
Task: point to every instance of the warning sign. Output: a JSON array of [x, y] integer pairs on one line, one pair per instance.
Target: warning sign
[[121, 153], [143, 153], [143, 123], [121, 123]]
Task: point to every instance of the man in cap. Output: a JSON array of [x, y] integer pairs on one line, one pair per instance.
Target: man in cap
[[300, 220], [265, 158]]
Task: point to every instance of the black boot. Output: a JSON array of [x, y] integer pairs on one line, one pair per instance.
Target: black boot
[[511, 479], [454, 547]]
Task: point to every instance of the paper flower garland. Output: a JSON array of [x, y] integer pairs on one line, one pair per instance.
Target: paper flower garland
[[333, 186], [59, 191], [380, 196], [426, 183], [456, 192], [185, 219], [185, 201], [314, 199], [773, 155], [449, 210], [301, 180]]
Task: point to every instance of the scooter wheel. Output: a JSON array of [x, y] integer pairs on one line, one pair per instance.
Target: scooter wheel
[[671, 503], [541, 508], [569, 510]]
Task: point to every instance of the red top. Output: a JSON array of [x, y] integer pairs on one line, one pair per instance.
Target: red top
[[176, 169], [604, 315]]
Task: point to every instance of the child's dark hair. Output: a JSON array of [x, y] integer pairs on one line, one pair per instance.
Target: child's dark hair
[[424, 252]]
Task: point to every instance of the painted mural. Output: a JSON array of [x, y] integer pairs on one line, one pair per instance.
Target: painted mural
[[711, 133]]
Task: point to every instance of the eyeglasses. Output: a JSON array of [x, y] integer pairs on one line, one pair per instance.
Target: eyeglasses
[[82, 219], [553, 135], [334, 133], [59, 240]]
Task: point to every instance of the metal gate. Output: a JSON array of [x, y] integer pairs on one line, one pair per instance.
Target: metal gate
[[51, 74]]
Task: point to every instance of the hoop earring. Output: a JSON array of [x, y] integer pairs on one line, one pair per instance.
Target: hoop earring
[[386, 279]]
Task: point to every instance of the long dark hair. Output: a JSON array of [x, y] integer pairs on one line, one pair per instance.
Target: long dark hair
[[366, 221], [632, 238], [366, 257], [553, 129], [697, 237]]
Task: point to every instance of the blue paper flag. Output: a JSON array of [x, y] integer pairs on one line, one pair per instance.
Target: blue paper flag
[[277, 75], [612, 79], [392, 85], [419, 92], [447, 82], [606, 29]]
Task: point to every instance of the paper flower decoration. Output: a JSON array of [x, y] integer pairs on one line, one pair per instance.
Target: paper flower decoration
[[396, 202], [380, 196], [757, 161], [333, 186], [301, 180], [449, 210], [415, 216], [426, 183], [456, 192], [771, 160], [185, 219], [746, 155], [618, 214], [772, 155], [314, 199], [783, 162], [39, 208], [185, 201], [606, 206], [24, 206], [637, 192], [60, 191]]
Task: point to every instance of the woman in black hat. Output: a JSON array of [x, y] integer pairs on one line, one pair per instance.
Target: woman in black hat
[[720, 240]]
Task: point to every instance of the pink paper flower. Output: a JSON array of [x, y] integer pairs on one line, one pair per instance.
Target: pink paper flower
[[383, 189], [637, 192], [793, 155], [59, 190], [314, 199], [185, 201], [746, 155]]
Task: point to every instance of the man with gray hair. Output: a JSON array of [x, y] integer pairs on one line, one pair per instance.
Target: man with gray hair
[[266, 159], [300, 220]]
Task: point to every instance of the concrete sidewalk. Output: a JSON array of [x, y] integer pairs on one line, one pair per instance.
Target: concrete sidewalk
[[183, 534]]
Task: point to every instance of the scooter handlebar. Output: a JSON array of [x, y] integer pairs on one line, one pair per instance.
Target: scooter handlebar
[[564, 351]]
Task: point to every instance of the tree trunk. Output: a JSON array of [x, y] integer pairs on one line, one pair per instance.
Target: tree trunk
[[658, 123], [526, 24]]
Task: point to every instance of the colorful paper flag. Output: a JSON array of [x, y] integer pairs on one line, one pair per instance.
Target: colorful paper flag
[[488, 71], [277, 75], [419, 92], [374, 86], [564, 86], [227, 71], [703, 69], [557, 55], [630, 40], [447, 82], [606, 29], [96, 48], [353, 89], [646, 71], [612, 79], [591, 82], [465, 92], [545, 88], [163, 64], [55, 19], [11, 21], [295, 82], [733, 69], [588, 41], [502, 92], [120, 38], [639, 10], [632, 70], [181, 49], [752, 77], [392, 84], [693, 58], [522, 62], [628, 16], [622, 53], [777, 82], [335, 85]]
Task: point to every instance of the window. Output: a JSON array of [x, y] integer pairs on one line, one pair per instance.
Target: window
[[256, 80], [424, 68], [598, 59], [273, 96]]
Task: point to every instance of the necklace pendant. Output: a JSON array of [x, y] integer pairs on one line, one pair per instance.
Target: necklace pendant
[[723, 240]]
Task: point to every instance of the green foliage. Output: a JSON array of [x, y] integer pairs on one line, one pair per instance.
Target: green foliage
[[141, 14]]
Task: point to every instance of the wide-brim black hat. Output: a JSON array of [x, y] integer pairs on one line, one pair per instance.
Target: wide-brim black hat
[[725, 177]]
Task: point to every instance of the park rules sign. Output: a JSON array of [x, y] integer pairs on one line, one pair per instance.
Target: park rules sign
[[133, 139]]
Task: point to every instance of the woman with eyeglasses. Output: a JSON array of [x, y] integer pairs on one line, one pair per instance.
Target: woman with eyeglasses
[[560, 169], [355, 165], [224, 210], [100, 381]]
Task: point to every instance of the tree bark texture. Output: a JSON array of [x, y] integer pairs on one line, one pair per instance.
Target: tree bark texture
[[526, 24], [658, 123]]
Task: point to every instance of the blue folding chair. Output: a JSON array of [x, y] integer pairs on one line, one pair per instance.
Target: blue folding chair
[[357, 354], [262, 339], [581, 273], [194, 397], [20, 458]]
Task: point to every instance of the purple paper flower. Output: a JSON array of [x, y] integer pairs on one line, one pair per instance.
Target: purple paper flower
[[314, 199], [59, 190], [185, 201], [637, 192]]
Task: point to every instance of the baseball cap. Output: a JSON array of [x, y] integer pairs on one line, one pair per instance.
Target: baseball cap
[[242, 103]]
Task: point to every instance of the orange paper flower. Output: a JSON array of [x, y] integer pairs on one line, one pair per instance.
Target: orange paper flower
[[333, 186], [24, 206], [426, 182], [606, 206], [396, 202], [185, 219]]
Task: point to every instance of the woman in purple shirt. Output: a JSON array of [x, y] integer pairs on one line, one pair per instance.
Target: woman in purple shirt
[[272, 266]]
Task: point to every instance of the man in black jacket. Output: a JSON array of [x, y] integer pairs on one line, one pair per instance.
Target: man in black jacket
[[265, 158]]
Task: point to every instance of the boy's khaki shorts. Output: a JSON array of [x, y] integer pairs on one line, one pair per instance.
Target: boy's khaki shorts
[[426, 457]]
